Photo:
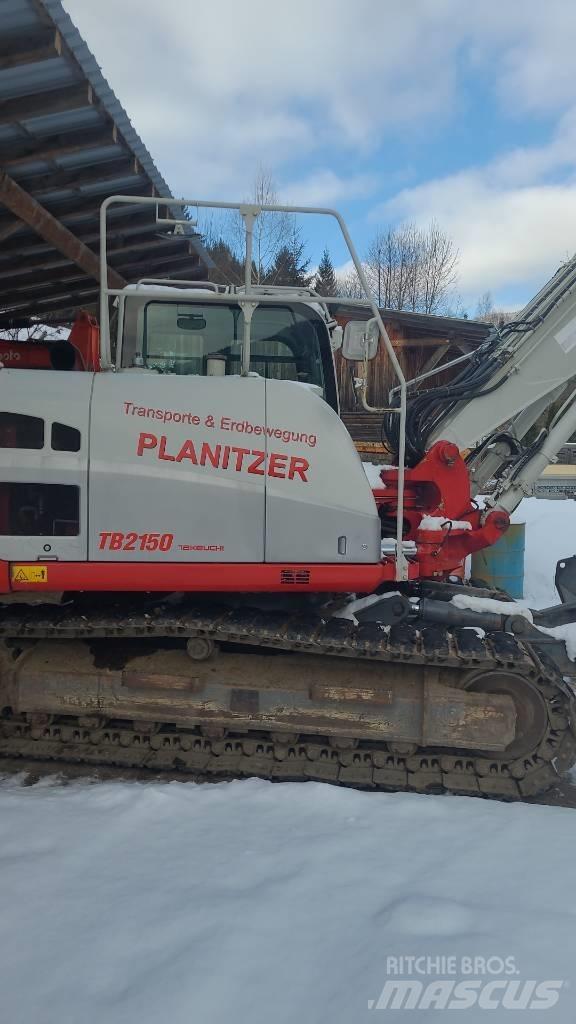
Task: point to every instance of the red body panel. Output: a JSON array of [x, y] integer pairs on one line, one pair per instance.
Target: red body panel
[[24, 355], [214, 576], [35, 355], [439, 486], [85, 337]]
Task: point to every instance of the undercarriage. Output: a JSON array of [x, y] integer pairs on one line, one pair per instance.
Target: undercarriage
[[227, 691]]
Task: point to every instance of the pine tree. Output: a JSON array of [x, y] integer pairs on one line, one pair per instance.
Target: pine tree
[[290, 265], [326, 283], [227, 268]]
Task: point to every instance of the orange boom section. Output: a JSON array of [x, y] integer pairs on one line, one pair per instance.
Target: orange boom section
[[28, 354]]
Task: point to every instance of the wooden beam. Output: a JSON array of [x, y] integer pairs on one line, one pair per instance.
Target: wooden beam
[[69, 300], [45, 47], [421, 342], [72, 289], [28, 209], [433, 360], [56, 101]]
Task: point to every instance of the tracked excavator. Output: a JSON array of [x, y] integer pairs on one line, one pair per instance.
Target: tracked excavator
[[196, 575]]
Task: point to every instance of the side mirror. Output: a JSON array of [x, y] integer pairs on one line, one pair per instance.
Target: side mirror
[[361, 339]]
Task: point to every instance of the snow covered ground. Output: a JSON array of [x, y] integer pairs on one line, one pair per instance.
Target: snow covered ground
[[550, 536], [257, 902], [251, 902]]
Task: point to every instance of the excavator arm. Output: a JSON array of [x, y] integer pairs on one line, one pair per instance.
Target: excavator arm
[[489, 409]]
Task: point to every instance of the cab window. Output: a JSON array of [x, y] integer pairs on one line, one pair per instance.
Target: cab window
[[206, 339]]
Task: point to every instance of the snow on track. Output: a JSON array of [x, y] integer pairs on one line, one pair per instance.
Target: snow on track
[[126, 903]]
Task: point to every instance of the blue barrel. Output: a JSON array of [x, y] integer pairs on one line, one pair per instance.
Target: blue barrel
[[502, 565]]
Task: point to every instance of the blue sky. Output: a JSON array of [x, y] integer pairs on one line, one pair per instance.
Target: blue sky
[[428, 109]]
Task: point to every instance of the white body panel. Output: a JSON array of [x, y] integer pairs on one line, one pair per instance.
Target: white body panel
[[55, 397], [288, 484], [212, 513], [332, 518], [226, 469]]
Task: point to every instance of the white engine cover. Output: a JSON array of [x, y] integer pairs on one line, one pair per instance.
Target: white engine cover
[[234, 469]]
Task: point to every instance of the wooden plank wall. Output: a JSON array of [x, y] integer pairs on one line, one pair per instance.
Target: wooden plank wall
[[412, 356]]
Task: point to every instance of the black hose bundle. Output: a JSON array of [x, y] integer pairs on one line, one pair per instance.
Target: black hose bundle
[[426, 409]]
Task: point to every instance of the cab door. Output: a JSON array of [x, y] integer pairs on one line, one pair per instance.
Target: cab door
[[170, 463], [43, 464]]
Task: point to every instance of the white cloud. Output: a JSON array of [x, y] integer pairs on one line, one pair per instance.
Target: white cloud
[[513, 219], [507, 237], [237, 85], [326, 188], [531, 49], [217, 89]]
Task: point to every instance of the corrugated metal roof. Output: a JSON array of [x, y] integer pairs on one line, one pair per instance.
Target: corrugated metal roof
[[66, 140], [105, 94]]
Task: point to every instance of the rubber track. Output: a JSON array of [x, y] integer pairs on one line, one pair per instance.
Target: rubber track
[[370, 765]]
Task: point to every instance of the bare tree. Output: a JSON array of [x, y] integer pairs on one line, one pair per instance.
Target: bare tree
[[438, 268], [412, 268], [456, 308], [487, 314], [38, 332], [484, 306], [348, 285], [272, 231], [377, 266]]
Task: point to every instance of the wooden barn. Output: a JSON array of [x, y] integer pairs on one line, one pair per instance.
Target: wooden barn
[[422, 343]]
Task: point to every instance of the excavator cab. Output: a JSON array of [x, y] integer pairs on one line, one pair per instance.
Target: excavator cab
[[233, 457], [204, 435], [175, 332]]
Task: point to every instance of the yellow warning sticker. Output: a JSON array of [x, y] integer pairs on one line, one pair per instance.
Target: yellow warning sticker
[[29, 573]]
